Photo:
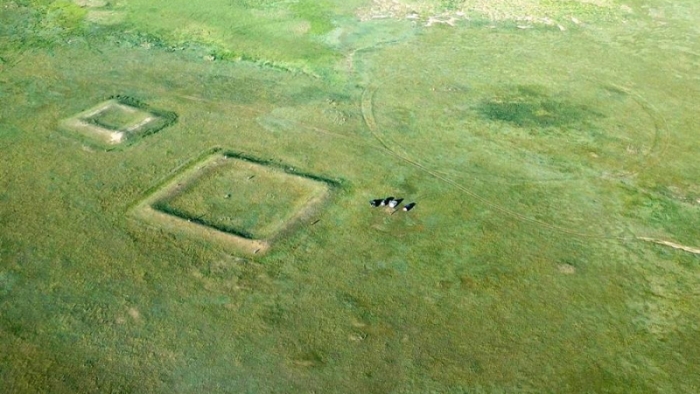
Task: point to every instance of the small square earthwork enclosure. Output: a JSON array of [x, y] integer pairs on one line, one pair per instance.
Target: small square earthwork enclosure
[[234, 200], [118, 120]]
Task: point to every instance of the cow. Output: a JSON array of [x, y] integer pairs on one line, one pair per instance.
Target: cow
[[409, 206], [395, 202]]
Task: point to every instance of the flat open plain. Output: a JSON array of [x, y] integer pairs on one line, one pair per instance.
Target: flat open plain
[[551, 148]]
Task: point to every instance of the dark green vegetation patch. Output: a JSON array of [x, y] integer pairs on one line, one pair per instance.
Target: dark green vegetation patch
[[531, 106]]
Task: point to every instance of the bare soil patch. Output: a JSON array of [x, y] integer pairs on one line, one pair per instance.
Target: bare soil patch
[[566, 269]]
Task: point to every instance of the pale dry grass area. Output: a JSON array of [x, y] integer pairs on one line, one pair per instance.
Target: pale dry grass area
[[673, 245], [522, 11], [105, 17], [98, 15], [91, 3]]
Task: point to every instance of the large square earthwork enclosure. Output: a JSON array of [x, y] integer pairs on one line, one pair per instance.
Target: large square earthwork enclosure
[[117, 121], [234, 201]]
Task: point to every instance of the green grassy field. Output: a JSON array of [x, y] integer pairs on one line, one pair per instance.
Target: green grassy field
[[120, 120], [248, 198], [551, 148]]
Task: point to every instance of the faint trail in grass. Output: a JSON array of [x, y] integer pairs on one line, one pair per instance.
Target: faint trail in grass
[[350, 57], [502, 179], [370, 122], [674, 245], [258, 112], [660, 142], [386, 147]]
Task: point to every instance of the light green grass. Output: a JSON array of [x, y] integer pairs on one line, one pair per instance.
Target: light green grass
[[118, 117], [536, 157]]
